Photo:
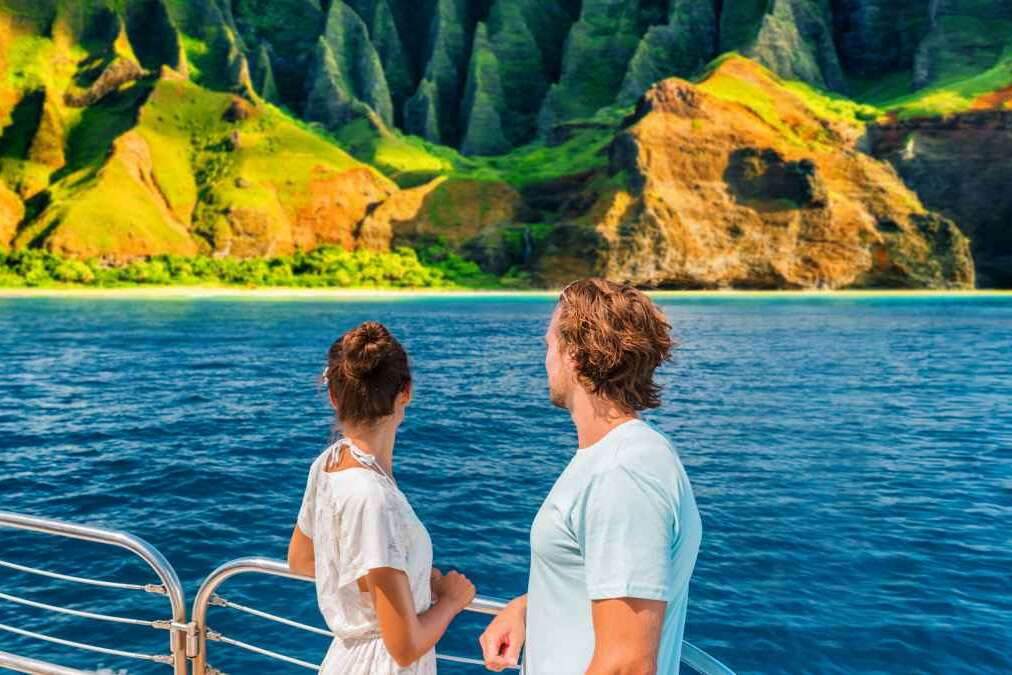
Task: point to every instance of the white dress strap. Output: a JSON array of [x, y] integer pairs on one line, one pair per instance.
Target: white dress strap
[[361, 456]]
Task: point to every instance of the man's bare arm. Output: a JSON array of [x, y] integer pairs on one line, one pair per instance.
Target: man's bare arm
[[627, 634]]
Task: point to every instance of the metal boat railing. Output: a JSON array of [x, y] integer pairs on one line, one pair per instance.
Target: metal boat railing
[[169, 586], [24, 664], [188, 640], [207, 596]]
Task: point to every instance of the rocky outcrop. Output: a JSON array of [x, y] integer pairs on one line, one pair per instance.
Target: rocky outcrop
[[337, 202], [262, 74], [116, 73], [421, 112], [793, 38], [432, 112], [456, 211], [348, 72], [484, 104], [121, 214], [522, 71], [331, 100], [46, 146], [711, 195], [289, 29], [683, 45], [11, 213], [597, 53], [385, 37], [960, 166]]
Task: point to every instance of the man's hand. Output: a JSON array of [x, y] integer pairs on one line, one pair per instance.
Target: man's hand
[[502, 640]]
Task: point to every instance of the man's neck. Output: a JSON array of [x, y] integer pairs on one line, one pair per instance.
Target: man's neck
[[595, 416]]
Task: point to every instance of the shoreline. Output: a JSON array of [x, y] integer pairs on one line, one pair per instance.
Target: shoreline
[[267, 293]]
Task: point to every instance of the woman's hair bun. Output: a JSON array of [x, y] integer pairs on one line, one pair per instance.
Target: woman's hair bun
[[366, 369], [364, 348]]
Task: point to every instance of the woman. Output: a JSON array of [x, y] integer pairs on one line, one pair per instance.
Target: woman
[[357, 533]]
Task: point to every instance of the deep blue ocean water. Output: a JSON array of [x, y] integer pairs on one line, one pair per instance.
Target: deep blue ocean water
[[852, 461]]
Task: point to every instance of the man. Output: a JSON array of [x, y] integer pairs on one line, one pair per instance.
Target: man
[[614, 543]]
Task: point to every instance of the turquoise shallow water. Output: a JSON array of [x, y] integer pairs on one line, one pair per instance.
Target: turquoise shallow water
[[852, 460]]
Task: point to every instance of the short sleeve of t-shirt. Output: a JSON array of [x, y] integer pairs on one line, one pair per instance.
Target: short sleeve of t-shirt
[[625, 528], [369, 532], [308, 508]]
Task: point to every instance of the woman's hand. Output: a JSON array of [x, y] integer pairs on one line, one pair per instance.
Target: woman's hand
[[453, 588]]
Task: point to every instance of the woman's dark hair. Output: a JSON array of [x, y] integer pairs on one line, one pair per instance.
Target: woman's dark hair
[[366, 369]]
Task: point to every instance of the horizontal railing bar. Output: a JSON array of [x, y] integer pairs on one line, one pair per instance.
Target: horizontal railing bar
[[702, 662], [219, 601], [170, 586], [483, 605], [206, 597], [150, 588], [692, 656], [224, 639], [157, 658], [218, 637], [464, 659], [77, 612], [478, 605], [23, 664]]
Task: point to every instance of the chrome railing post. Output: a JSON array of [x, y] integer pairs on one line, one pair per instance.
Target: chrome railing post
[[211, 584], [166, 574]]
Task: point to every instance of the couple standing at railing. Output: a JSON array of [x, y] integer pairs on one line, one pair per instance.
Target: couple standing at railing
[[612, 547]]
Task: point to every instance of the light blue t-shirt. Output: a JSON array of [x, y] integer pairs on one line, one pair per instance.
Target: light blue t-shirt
[[620, 522]]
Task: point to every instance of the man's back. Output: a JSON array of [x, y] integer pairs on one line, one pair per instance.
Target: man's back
[[620, 522]]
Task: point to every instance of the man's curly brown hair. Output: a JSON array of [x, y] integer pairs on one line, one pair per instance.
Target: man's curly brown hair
[[617, 338]]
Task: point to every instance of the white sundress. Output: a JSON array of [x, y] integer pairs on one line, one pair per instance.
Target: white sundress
[[359, 520]]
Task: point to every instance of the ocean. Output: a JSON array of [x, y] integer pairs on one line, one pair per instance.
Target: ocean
[[851, 458]]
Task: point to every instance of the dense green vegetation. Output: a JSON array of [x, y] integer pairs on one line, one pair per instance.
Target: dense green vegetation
[[892, 93], [327, 266], [410, 160], [188, 127]]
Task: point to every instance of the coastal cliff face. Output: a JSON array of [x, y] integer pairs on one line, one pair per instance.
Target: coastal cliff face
[[711, 196], [488, 76], [533, 137], [961, 167]]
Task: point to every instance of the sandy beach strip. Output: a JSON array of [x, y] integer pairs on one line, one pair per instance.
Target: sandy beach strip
[[286, 293]]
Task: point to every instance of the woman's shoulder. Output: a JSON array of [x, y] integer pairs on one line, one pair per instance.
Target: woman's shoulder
[[356, 485]]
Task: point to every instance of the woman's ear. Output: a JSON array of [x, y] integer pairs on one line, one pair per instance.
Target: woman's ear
[[406, 395]]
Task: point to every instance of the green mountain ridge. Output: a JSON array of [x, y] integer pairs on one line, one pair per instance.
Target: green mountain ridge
[[254, 128]]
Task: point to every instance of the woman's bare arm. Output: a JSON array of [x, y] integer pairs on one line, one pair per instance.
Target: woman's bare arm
[[406, 634], [301, 554]]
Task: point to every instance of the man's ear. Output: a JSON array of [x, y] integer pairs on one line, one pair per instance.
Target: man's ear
[[569, 362], [406, 395]]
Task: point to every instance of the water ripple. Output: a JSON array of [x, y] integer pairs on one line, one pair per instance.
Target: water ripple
[[852, 460]]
